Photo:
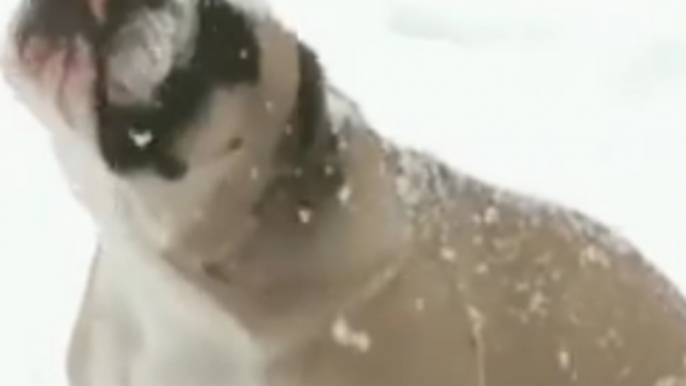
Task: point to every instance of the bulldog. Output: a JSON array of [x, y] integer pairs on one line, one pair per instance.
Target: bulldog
[[255, 231]]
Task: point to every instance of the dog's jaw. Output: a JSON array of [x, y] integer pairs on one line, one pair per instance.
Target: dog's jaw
[[154, 208]]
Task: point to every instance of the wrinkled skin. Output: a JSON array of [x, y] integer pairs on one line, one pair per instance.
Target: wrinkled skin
[[268, 237]]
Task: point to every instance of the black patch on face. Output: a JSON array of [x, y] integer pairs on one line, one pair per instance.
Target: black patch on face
[[226, 54]]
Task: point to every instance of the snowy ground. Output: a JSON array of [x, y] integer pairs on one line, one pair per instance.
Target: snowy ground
[[580, 101]]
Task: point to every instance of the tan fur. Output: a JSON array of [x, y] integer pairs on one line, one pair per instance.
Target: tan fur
[[397, 272], [465, 284]]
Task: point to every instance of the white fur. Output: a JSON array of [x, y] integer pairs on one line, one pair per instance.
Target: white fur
[[143, 324], [151, 326], [155, 329], [147, 48]]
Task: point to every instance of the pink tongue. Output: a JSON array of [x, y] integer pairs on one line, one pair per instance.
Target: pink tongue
[[36, 54], [37, 51]]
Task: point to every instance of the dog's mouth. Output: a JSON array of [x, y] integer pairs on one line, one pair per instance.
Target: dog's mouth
[[120, 49], [103, 65], [136, 73], [53, 49]]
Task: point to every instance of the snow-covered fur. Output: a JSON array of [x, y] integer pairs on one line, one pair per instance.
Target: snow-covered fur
[[255, 231]]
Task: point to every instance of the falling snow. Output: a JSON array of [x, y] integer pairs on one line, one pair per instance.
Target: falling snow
[[141, 138], [448, 254], [482, 269], [420, 304], [592, 255], [565, 359], [344, 335], [536, 211], [537, 303], [305, 215], [288, 129], [254, 173], [491, 216], [329, 170], [344, 194], [625, 372], [413, 179], [269, 105], [671, 381], [478, 322], [611, 338]]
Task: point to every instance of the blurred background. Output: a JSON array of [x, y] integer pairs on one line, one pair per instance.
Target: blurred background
[[578, 101]]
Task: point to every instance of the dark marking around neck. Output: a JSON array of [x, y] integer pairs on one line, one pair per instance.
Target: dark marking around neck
[[226, 54], [308, 156], [310, 110]]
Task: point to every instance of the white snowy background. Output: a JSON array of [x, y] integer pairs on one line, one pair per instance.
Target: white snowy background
[[579, 101]]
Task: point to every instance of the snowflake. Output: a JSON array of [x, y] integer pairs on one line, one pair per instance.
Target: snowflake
[[141, 138]]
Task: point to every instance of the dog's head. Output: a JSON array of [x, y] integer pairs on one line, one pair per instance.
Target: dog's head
[[158, 107], [157, 85]]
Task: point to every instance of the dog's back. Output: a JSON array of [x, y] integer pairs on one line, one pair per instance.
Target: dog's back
[[496, 289]]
